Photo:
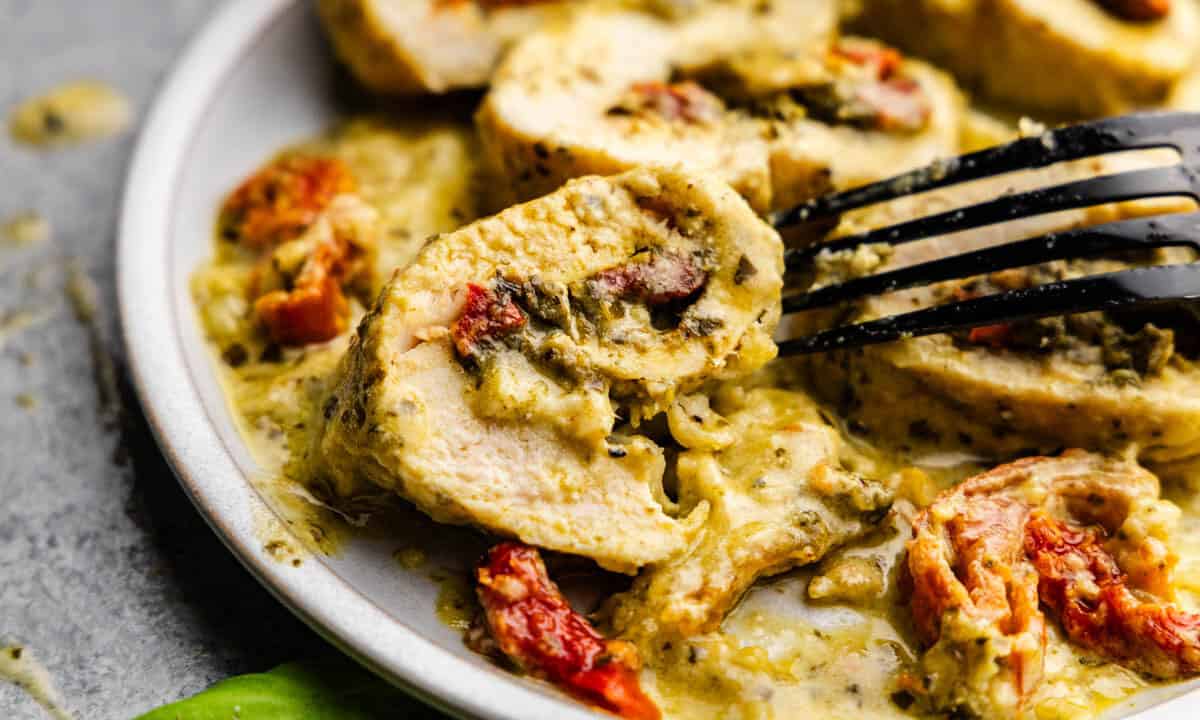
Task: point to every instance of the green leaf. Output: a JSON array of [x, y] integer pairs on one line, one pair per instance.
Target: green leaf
[[332, 690]]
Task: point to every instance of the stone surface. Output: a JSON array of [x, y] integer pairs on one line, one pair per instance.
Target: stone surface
[[106, 571]]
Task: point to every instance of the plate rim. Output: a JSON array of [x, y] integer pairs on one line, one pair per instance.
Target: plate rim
[[204, 465], [187, 437]]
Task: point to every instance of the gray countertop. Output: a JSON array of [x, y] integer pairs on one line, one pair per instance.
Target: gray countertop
[[107, 574]]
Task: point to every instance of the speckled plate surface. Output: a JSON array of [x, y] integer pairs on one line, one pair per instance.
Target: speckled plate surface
[[258, 78]]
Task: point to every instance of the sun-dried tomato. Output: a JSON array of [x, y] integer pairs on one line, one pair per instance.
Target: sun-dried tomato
[[663, 278], [1037, 532], [1082, 584], [973, 563], [315, 309], [900, 104], [683, 101], [313, 313], [884, 60], [892, 102], [281, 201], [1138, 10], [994, 336], [536, 628], [486, 316]]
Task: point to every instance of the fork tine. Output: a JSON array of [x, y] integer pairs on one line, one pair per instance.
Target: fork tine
[[1127, 288], [1174, 180], [1180, 230], [1132, 132]]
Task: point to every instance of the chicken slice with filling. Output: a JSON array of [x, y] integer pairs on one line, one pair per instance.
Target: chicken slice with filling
[[486, 384], [779, 114], [1078, 58]]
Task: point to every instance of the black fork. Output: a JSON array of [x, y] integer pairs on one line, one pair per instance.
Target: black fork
[[1141, 287]]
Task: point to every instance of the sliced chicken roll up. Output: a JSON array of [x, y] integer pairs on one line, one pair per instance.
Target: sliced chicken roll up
[[415, 46], [1096, 381], [732, 90], [487, 384], [421, 46], [1071, 57]]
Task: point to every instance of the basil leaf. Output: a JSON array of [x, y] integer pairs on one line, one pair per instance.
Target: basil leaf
[[332, 690]]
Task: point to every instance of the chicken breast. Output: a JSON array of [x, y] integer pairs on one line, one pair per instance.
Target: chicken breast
[[486, 384], [415, 46], [1078, 58], [778, 498], [421, 46], [781, 116], [1005, 391]]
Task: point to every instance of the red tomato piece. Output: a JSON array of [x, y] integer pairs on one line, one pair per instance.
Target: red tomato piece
[[1082, 584], [485, 317], [537, 629], [896, 102], [281, 201], [885, 60], [684, 101], [994, 336], [315, 309]]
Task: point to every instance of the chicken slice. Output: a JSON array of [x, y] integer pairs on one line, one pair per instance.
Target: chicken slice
[[1004, 392], [486, 383], [1001, 390], [419, 46], [414, 46], [780, 115], [778, 498], [1079, 58], [1070, 532]]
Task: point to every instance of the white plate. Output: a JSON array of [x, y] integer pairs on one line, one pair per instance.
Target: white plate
[[258, 78]]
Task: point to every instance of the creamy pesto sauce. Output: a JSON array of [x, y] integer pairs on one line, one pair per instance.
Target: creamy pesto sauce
[[801, 658], [456, 605], [410, 558], [25, 229], [70, 114], [1187, 541]]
